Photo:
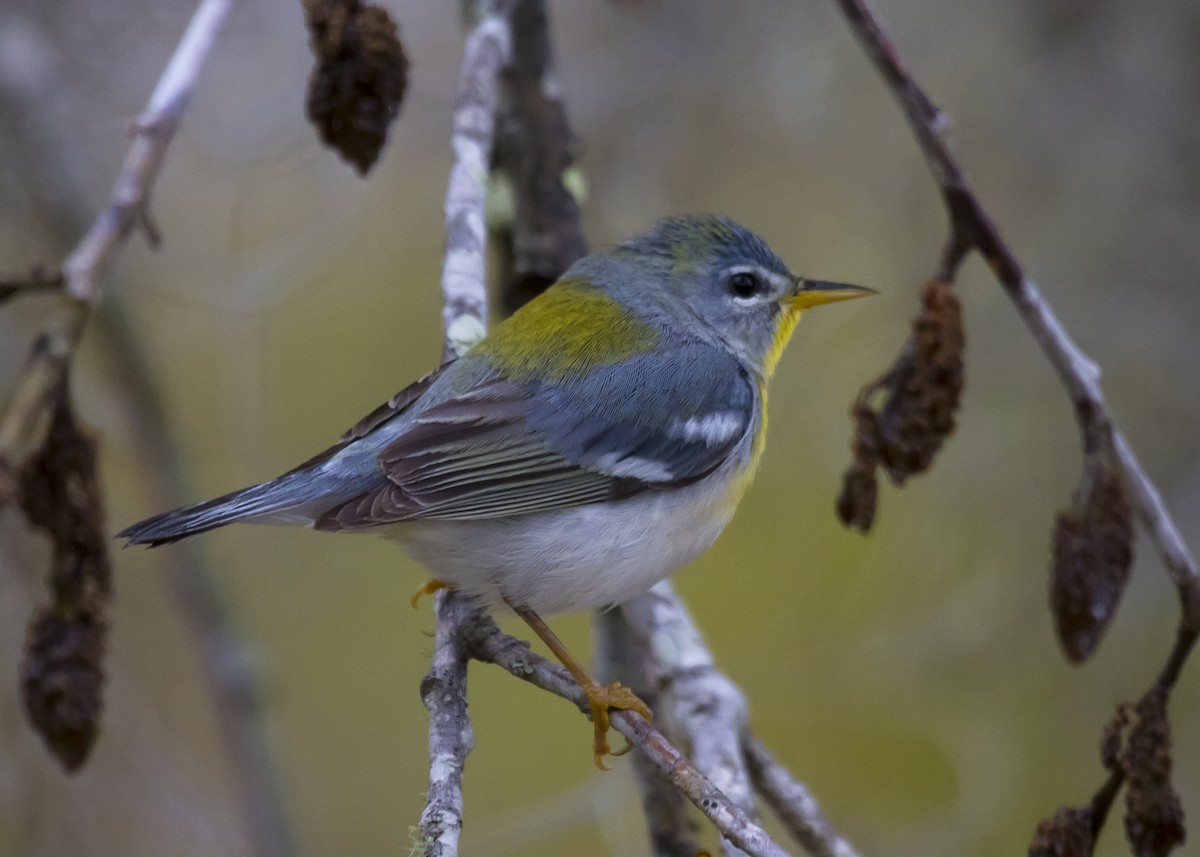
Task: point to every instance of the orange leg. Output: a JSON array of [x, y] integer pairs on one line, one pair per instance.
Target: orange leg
[[428, 588], [601, 697]]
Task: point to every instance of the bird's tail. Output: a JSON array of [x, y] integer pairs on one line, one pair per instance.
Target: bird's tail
[[280, 500]]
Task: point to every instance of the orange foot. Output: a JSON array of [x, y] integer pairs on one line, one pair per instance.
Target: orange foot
[[427, 588], [602, 697]]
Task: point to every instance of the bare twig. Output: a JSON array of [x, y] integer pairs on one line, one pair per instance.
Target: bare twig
[[700, 702], [971, 227], [620, 656], [464, 291], [792, 803], [128, 205], [444, 691], [226, 664], [711, 710], [487, 643], [23, 424]]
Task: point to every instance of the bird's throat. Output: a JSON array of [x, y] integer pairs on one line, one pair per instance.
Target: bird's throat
[[788, 318]]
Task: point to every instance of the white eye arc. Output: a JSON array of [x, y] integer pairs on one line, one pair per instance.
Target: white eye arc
[[748, 286]]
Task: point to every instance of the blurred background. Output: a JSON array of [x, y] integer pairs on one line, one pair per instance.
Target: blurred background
[[910, 677]]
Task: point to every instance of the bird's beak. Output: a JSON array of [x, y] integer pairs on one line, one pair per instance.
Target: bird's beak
[[811, 293]]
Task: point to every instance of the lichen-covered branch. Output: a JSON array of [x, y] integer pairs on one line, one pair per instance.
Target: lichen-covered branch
[[700, 703], [464, 319], [620, 656], [487, 643], [792, 803], [444, 692], [464, 289]]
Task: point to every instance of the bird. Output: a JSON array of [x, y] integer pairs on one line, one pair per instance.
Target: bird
[[596, 441]]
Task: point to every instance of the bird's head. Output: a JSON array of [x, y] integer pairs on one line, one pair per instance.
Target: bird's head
[[709, 277]]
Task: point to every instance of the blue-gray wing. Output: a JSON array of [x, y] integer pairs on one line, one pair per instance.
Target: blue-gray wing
[[502, 448]]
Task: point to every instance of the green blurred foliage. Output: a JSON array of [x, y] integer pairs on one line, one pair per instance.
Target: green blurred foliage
[[910, 678]]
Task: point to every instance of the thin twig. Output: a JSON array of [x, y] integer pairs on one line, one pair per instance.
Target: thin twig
[[971, 225], [23, 424], [464, 291], [700, 702], [224, 660], [793, 803], [488, 643], [972, 228], [620, 656], [444, 692]]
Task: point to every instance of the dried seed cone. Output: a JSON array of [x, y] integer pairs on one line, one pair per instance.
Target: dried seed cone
[[1067, 834], [1153, 814], [62, 675], [358, 83], [1093, 550], [919, 413]]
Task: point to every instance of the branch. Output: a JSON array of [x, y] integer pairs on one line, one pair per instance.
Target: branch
[[444, 692], [226, 664], [972, 227], [792, 803], [24, 422], [1152, 807], [701, 703], [620, 656], [538, 233], [464, 293], [464, 320], [712, 710], [488, 643]]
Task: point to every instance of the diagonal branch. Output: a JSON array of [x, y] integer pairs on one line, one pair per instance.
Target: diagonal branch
[[23, 424], [622, 656], [222, 656], [489, 644], [792, 803], [972, 227], [702, 704], [710, 708]]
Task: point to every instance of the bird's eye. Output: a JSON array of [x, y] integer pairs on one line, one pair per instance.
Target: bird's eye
[[744, 284]]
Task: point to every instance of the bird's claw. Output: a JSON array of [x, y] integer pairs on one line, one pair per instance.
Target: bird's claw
[[601, 698], [427, 588]]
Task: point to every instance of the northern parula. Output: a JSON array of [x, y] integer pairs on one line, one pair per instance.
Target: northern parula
[[596, 441]]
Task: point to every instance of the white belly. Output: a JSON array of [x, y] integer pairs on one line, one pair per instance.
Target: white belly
[[575, 559]]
